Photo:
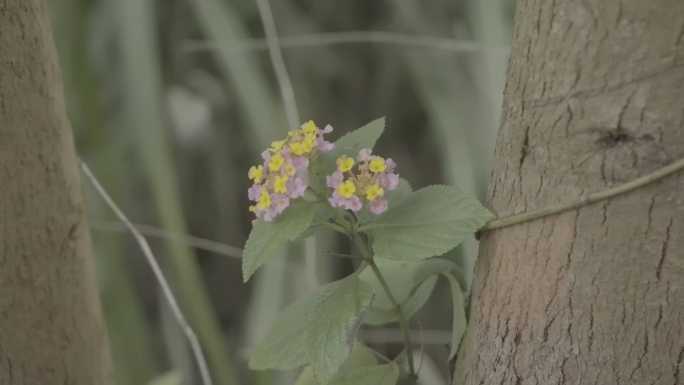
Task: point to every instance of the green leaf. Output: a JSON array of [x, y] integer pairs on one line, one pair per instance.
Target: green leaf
[[427, 223], [350, 145], [266, 237], [371, 375], [333, 322], [360, 356], [434, 266], [397, 274], [283, 347], [307, 377], [315, 226], [459, 320], [402, 191], [173, 377]]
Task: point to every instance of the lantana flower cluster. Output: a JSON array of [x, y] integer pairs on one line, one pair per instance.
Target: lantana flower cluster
[[283, 175], [374, 175]]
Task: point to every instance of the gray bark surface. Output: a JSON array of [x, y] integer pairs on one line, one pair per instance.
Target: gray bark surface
[[594, 98], [51, 325]]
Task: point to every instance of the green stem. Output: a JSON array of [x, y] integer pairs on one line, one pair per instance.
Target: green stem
[[585, 199], [402, 320], [395, 305], [330, 225]]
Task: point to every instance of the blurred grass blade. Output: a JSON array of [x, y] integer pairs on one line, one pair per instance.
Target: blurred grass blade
[[134, 360], [254, 97], [143, 87]]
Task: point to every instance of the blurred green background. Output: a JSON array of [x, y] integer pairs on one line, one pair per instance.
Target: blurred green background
[[171, 101]]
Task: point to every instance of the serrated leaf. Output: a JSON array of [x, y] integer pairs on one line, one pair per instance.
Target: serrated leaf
[[312, 230], [427, 223], [315, 226], [360, 356], [403, 190], [283, 347], [459, 320], [350, 144], [434, 266], [397, 274], [307, 377], [371, 375], [333, 323], [266, 237]]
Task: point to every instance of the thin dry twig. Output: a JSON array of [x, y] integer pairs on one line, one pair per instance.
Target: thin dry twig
[[156, 232], [350, 37], [159, 275], [278, 63], [287, 92]]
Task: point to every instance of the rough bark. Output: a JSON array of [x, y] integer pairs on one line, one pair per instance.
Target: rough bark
[[594, 98], [51, 325]]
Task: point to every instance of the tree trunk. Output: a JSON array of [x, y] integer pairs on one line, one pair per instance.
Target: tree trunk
[[594, 98], [51, 325]]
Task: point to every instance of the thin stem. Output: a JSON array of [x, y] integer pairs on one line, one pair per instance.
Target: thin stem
[[585, 199], [330, 225], [363, 212], [158, 274], [395, 305], [172, 236], [402, 320], [347, 37], [278, 63], [413, 291], [367, 227]]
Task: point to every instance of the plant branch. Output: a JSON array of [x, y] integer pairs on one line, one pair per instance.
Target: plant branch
[[585, 199], [333, 226], [395, 305], [159, 275]]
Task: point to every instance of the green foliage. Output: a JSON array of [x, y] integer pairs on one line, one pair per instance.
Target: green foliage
[[459, 320], [371, 375], [320, 329], [333, 323], [427, 223], [283, 347], [315, 226], [397, 275], [402, 191], [434, 266], [266, 237], [307, 377], [359, 357], [350, 144]]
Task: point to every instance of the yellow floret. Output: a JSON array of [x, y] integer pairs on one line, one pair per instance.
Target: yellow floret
[[255, 173], [345, 163], [275, 163], [309, 143], [346, 189], [377, 164], [289, 169], [374, 191], [297, 148], [309, 127], [278, 145], [279, 184], [264, 202]]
